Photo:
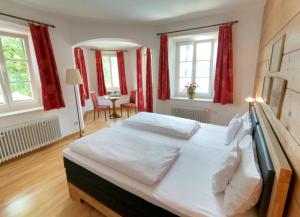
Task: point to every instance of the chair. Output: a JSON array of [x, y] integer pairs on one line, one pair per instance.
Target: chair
[[97, 106], [130, 104]]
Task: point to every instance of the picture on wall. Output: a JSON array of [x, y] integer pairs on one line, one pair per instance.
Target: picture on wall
[[267, 87], [276, 55], [277, 95]]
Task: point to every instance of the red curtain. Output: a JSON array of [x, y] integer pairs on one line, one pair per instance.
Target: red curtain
[[224, 67], [80, 64], [122, 76], [51, 90], [163, 73], [149, 97], [140, 92], [100, 74]]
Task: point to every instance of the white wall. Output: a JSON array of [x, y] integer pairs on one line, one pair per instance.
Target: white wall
[[64, 59], [144, 35], [246, 36], [67, 34], [70, 32]]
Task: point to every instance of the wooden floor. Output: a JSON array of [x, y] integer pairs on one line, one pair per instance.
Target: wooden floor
[[35, 185]]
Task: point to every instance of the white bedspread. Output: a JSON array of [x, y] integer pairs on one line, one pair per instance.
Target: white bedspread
[[186, 189], [164, 124], [138, 157]]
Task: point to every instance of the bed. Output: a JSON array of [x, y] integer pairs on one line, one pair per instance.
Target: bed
[[184, 191]]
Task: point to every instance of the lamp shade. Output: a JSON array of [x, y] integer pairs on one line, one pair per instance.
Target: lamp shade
[[250, 99], [73, 77]]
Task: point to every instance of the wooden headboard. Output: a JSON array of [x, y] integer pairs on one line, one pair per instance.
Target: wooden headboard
[[283, 171], [267, 170], [282, 17]]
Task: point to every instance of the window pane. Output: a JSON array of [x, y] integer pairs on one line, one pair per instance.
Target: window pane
[[1, 96], [21, 91], [105, 60], [107, 77], [202, 68], [106, 70], [186, 52], [115, 77], [115, 72], [203, 51], [114, 62], [17, 70], [13, 48], [106, 64], [183, 82], [186, 69], [203, 85]]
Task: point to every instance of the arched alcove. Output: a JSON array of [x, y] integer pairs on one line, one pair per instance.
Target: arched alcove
[[108, 47]]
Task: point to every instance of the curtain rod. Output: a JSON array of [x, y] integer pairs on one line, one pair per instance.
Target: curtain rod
[[108, 50], [28, 20], [200, 27]]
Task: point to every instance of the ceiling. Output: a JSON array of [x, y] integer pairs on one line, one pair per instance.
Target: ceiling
[[137, 10], [109, 43]]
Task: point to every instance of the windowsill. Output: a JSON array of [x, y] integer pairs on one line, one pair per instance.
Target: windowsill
[[18, 112], [195, 99]]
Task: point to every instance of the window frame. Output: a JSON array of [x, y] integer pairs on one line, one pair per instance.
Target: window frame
[[210, 93], [112, 88], [9, 104]]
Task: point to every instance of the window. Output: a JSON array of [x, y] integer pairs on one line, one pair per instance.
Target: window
[[196, 63], [15, 72], [111, 72]]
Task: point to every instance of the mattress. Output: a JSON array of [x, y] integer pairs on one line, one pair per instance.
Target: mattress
[[186, 188]]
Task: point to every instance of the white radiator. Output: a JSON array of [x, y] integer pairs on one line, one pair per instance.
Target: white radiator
[[190, 113], [22, 138]]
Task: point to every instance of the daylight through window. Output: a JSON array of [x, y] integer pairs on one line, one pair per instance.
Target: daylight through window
[[111, 72], [196, 63], [15, 80]]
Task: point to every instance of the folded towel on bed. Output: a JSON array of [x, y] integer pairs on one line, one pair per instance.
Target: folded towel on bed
[[144, 160], [164, 124]]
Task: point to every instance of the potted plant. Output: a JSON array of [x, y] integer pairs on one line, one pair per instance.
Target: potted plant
[[191, 90]]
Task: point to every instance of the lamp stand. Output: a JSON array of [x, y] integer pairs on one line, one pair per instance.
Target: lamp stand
[[79, 122]]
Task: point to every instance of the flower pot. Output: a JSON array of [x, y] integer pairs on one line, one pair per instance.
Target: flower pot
[[191, 95]]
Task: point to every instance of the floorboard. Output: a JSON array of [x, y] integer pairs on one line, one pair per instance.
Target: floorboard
[[35, 185]]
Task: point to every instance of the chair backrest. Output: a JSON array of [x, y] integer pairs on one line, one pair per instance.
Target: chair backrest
[[94, 98], [132, 98]]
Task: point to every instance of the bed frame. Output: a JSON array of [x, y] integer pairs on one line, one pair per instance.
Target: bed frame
[[113, 201]]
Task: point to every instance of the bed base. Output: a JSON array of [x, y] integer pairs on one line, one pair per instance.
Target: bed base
[[106, 197], [80, 196]]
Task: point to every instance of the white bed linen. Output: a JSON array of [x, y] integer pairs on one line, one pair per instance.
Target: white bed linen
[[138, 157], [164, 124], [186, 189]]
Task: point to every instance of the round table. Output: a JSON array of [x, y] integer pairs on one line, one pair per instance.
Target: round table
[[114, 114]]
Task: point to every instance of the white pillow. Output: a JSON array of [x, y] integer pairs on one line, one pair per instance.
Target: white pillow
[[246, 116], [237, 116], [243, 190], [246, 127], [226, 170], [232, 129]]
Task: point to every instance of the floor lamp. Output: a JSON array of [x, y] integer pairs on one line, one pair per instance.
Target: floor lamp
[[73, 77]]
